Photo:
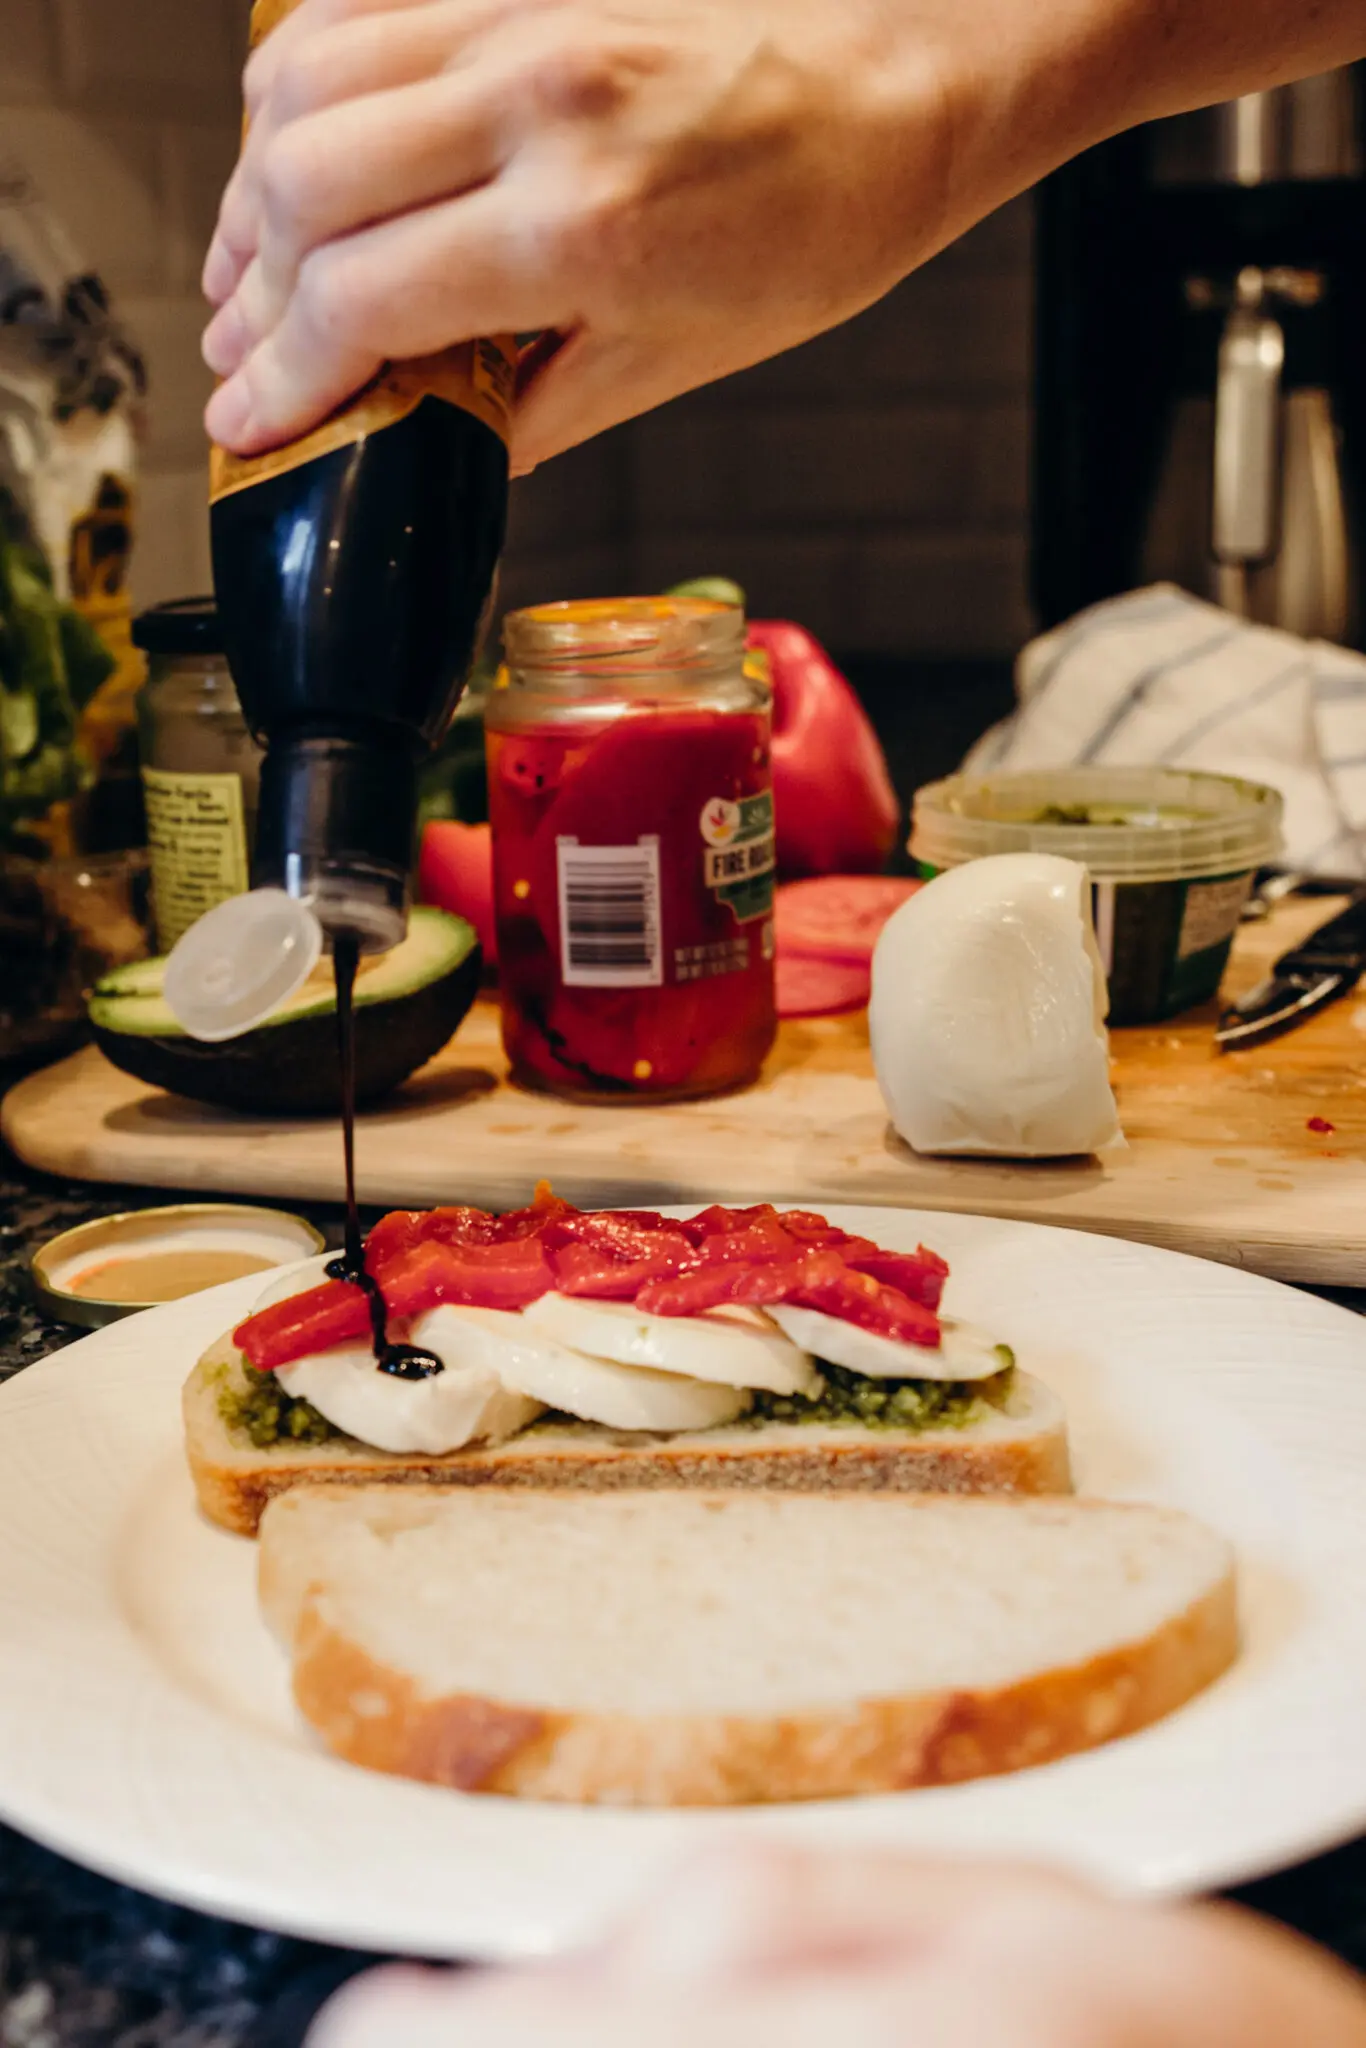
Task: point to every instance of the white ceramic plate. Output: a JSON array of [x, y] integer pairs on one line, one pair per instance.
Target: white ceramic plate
[[146, 1726]]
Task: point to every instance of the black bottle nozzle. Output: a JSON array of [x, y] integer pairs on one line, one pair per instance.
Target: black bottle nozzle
[[335, 829]]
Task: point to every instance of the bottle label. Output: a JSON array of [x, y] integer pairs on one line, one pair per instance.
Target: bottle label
[[610, 917], [197, 839], [478, 376], [740, 856]]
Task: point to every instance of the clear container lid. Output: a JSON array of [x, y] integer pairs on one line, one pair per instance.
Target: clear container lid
[[1124, 824], [238, 963]]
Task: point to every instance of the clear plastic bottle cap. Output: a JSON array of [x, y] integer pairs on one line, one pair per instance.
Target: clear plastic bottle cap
[[241, 960]]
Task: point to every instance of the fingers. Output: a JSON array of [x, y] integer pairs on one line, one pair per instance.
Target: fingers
[[753, 1910], [367, 160], [384, 2007], [325, 54], [405, 288]]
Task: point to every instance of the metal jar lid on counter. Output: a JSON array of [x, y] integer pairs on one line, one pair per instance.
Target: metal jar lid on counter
[[116, 1265]]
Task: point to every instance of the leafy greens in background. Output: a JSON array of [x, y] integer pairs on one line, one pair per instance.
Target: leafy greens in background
[[51, 664]]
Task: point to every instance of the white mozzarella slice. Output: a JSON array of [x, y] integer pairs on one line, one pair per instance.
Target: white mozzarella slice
[[987, 1015], [467, 1403], [964, 1353], [532, 1362], [714, 1348]]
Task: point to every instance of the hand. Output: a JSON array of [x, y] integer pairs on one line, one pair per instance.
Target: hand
[[664, 190], [800, 1950], [667, 189]]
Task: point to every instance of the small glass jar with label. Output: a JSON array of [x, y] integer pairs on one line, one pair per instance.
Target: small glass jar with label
[[200, 766], [630, 795]]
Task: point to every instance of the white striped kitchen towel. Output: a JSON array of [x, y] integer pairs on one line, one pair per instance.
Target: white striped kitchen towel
[[1161, 677]]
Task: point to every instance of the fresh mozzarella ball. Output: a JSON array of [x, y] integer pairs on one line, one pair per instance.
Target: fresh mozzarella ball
[[717, 1348], [465, 1404], [987, 1013], [964, 1353], [530, 1362]]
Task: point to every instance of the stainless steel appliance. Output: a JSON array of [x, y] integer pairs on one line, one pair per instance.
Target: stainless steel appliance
[[1201, 362], [1250, 507]]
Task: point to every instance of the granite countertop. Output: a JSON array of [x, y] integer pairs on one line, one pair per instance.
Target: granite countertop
[[85, 1963]]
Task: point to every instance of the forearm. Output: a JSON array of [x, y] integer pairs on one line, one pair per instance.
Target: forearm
[[1171, 55], [1030, 83]]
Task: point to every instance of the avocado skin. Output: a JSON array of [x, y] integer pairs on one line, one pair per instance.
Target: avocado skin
[[292, 1068]]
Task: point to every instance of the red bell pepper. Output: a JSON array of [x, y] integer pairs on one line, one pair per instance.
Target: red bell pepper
[[835, 810], [455, 872]]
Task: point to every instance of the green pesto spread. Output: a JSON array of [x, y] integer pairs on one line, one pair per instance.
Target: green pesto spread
[[262, 1409], [850, 1399], [269, 1415]]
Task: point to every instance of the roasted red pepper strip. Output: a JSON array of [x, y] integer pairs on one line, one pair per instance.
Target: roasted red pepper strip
[[616, 1236], [756, 1256], [403, 1229], [821, 1280], [858, 1298], [710, 1222], [529, 1222], [334, 1313], [580, 1269], [473, 1275], [813, 1231], [762, 1243], [920, 1274], [707, 1287]]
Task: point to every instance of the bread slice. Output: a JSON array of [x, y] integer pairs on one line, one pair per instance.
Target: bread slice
[[1021, 1448], [702, 1649]]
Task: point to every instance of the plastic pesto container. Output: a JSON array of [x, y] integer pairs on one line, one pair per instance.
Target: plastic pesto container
[[1171, 856]]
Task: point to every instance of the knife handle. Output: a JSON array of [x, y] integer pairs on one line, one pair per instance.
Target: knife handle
[[1338, 947]]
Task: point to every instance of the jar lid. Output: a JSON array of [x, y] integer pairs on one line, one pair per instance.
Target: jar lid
[[184, 625], [116, 1265], [238, 963], [1123, 824]]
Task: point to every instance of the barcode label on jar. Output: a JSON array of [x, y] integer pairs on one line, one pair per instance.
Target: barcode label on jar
[[609, 915]]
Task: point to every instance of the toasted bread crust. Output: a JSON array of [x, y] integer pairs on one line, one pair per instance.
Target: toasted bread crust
[[373, 1715], [234, 1482]]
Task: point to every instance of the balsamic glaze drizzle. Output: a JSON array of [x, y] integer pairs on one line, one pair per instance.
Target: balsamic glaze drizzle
[[403, 1361]]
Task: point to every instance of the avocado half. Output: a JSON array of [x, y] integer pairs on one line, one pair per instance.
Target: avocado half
[[408, 1003]]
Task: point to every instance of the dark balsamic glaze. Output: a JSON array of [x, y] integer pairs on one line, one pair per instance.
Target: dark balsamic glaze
[[403, 1361]]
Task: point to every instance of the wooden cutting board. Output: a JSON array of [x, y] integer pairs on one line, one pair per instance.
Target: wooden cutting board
[[1221, 1159]]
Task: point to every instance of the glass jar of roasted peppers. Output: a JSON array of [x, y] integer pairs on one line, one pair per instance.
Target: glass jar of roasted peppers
[[631, 802]]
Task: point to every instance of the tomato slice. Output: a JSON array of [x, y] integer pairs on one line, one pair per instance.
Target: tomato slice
[[837, 917], [819, 988]]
